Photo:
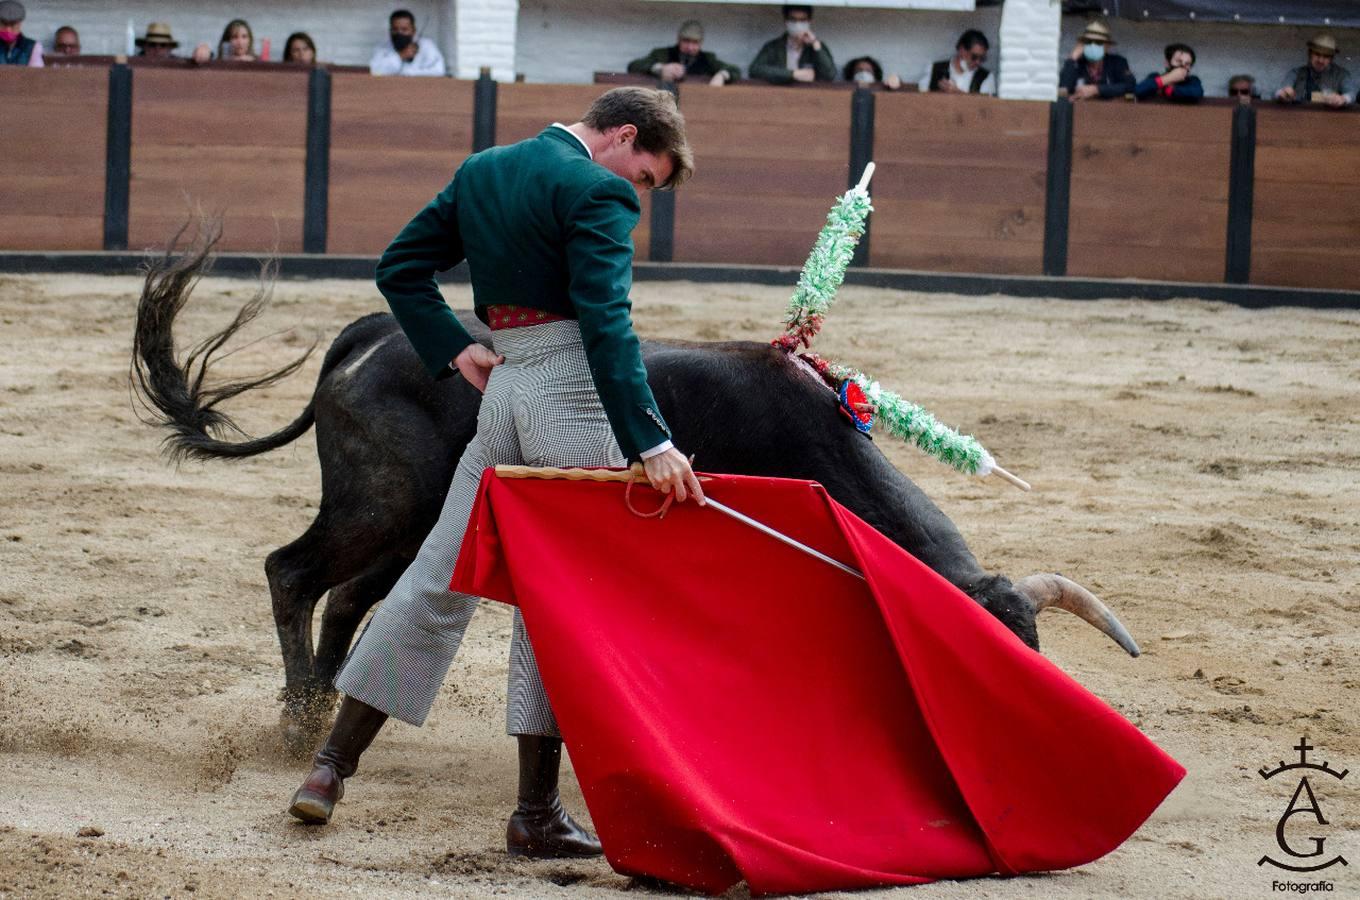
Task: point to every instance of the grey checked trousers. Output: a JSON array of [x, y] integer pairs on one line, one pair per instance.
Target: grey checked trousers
[[541, 409]]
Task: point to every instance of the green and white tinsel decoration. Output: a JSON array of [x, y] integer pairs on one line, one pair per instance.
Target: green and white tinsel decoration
[[822, 275], [915, 425], [825, 267]]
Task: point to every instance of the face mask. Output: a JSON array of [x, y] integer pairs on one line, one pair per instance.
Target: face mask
[[401, 41], [796, 28], [9, 37], [864, 77], [1094, 52]]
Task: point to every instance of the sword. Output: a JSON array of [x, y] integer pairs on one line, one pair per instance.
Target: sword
[[634, 475]]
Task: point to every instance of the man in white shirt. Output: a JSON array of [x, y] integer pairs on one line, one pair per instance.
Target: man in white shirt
[[402, 53], [964, 72]]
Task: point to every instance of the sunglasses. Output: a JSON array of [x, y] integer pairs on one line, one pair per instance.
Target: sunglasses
[[1240, 92]]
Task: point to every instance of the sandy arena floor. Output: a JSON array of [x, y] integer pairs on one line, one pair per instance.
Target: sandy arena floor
[[1194, 463]]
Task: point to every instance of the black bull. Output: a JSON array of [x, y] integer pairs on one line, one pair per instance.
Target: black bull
[[389, 437]]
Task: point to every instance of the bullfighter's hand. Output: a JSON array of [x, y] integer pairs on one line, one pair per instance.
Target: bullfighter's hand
[[475, 364], [670, 471]]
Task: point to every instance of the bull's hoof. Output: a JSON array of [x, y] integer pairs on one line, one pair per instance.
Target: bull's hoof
[[305, 719]]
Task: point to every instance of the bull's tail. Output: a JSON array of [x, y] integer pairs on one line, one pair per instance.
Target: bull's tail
[[174, 393]]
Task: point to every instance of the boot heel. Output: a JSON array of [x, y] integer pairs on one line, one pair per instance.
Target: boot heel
[[310, 808]]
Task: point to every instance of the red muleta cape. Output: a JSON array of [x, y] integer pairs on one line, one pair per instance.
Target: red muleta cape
[[737, 709]]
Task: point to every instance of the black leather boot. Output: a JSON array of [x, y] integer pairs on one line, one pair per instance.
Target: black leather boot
[[539, 827], [356, 725]]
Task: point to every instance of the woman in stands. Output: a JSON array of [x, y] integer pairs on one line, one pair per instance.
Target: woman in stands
[[299, 48], [237, 44]]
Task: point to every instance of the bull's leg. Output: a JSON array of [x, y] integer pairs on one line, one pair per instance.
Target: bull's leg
[[345, 609], [299, 574]]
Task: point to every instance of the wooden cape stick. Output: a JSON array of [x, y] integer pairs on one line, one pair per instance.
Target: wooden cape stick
[[636, 474]]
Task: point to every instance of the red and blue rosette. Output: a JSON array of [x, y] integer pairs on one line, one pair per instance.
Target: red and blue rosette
[[851, 395]]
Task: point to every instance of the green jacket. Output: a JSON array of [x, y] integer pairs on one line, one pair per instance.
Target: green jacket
[[541, 226], [771, 63], [705, 65]]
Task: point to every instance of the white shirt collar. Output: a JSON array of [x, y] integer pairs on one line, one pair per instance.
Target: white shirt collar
[[575, 135]]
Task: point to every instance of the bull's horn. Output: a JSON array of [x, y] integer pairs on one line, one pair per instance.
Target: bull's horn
[[1044, 591]]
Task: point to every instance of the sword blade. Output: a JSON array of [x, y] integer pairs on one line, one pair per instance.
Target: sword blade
[[782, 537]]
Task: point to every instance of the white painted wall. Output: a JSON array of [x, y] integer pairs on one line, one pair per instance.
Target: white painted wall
[[1030, 32], [345, 31], [1221, 50], [568, 40]]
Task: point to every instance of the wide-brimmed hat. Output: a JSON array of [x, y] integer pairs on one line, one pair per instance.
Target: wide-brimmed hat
[[692, 31], [1324, 44], [157, 35], [1096, 32], [12, 11]]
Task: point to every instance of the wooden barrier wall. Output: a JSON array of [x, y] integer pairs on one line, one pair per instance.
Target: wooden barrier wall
[[964, 184], [233, 142], [768, 166], [1307, 220], [960, 184], [1149, 191], [395, 143], [52, 193]]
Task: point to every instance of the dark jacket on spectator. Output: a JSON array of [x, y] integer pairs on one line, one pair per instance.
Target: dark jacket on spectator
[[1188, 91], [940, 71], [1116, 79], [704, 65], [19, 54], [771, 63], [1333, 80]]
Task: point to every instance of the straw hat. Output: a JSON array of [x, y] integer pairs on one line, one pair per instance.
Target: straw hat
[[691, 31], [1324, 44], [157, 35], [1096, 32]]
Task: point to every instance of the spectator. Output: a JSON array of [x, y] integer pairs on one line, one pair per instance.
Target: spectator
[[1175, 83], [15, 49], [797, 55], [865, 72], [964, 73], [403, 53], [66, 42], [1321, 80], [685, 57], [1091, 72], [299, 48], [158, 42], [237, 44], [1243, 87]]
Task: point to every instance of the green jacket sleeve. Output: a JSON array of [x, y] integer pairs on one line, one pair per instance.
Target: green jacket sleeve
[[429, 243], [769, 63], [643, 64], [600, 274]]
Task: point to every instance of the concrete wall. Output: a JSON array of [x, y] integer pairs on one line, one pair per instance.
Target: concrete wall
[[1221, 50], [567, 40], [345, 31]]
